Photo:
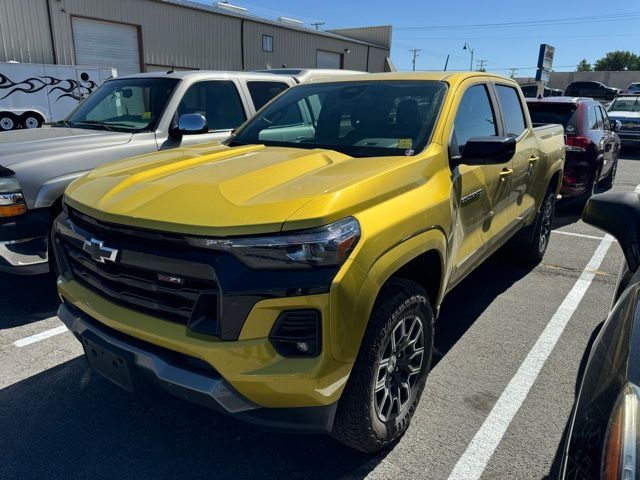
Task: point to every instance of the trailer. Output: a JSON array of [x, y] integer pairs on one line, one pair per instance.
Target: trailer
[[34, 94]]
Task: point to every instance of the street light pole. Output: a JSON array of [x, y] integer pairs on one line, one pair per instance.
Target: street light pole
[[468, 47]]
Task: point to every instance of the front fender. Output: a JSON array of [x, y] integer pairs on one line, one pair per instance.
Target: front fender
[[354, 291], [53, 189]]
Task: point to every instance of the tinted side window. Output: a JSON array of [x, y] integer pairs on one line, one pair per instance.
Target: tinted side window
[[475, 116], [606, 124], [600, 119], [593, 119], [218, 101], [511, 110], [262, 92]]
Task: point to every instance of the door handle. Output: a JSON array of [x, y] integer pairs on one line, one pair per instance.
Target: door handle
[[505, 173]]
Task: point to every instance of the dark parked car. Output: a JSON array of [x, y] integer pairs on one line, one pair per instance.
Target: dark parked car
[[531, 91], [603, 439], [592, 144], [633, 89], [591, 89]]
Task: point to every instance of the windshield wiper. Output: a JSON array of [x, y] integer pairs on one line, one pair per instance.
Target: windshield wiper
[[96, 123], [62, 123]]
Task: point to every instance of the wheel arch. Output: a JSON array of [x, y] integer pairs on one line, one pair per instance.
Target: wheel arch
[[420, 258]]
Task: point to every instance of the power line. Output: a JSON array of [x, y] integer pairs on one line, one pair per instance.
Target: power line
[[558, 21]]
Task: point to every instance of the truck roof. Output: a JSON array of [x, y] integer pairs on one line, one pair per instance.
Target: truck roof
[[560, 99], [449, 77], [205, 74]]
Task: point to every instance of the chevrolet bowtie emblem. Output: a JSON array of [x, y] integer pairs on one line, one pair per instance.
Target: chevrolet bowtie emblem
[[99, 252]]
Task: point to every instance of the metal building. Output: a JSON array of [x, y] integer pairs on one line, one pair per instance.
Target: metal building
[[146, 35]]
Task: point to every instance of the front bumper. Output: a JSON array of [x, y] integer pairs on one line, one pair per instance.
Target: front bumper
[[629, 139], [24, 243], [185, 377]]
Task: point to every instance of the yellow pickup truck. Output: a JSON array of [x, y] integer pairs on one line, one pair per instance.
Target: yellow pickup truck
[[292, 276]]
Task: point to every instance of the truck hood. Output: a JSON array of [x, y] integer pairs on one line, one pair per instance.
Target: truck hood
[[223, 191], [26, 145], [616, 115]]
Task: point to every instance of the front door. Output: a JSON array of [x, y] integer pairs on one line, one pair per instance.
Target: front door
[[480, 191]]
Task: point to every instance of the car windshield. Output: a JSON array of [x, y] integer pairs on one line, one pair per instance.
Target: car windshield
[[125, 105], [364, 118], [625, 105], [543, 113]]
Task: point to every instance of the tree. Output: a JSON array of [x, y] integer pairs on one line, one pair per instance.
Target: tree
[[618, 60], [584, 66]]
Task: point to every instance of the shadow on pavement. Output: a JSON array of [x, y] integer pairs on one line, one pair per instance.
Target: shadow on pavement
[[466, 302], [27, 299], [629, 153], [70, 423]]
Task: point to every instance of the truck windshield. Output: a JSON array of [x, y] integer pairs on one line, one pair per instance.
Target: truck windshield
[[368, 118], [126, 105], [543, 113], [625, 105]]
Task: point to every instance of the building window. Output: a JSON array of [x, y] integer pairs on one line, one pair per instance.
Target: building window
[[267, 43]]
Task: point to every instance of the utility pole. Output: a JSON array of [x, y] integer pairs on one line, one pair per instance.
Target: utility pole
[[446, 63], [317, 24], [471, 50], [416, 52], [513, 72], [481, 65]]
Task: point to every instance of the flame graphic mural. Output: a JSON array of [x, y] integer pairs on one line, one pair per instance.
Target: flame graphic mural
[[70, 88]]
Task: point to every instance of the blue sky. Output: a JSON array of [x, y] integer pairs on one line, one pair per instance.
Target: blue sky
[[502, 46]]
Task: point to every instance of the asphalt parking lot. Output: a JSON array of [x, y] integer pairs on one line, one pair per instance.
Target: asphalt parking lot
[[477, 418]]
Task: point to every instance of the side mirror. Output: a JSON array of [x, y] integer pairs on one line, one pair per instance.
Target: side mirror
[[615, 125], [190, 124], [618, 213], [486, 151]]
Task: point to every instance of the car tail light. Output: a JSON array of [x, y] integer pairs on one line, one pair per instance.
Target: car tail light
[[576, 143], [620, 453]]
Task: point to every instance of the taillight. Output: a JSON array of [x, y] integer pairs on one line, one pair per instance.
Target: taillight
[[576, 143], [620, 453]]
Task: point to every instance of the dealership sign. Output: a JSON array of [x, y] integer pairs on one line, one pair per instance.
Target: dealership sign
[[545, 61]]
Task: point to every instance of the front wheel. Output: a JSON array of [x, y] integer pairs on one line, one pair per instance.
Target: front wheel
[[390, 372], [8, 121], [533, 250]]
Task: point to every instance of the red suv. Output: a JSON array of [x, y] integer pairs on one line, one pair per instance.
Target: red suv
[[592, 143]]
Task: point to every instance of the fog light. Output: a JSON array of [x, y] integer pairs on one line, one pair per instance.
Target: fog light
[[297, 333], [302, 346]]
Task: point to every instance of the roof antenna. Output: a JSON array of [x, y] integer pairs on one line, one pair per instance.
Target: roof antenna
[[173, 68]]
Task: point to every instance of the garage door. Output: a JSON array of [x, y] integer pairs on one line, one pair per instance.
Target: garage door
[[106, 44], [326, 59]]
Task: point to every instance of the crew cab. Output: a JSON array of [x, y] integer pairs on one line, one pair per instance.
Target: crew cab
[[292, 276], [126, 116]]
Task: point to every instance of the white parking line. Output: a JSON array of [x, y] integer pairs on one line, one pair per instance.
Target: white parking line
[[473, 462], [581, 235], [23, 342]]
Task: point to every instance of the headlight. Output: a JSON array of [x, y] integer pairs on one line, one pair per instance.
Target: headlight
[[620, 453], [323, 247], [11, 199]]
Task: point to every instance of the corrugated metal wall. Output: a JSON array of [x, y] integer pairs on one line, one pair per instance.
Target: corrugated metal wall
[[24, 32], [171, 35], [296, 49], [376, 35]]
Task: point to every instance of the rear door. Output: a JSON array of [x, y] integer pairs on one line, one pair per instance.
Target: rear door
[[526, 163], [480, 189], [609, 142]]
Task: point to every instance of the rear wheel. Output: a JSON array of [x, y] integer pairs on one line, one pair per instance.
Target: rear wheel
[[31, 120], [608, 182], [390, 372], [8, 121], [533, 250]]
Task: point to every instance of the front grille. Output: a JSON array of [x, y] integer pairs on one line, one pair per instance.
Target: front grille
[[134, 280]]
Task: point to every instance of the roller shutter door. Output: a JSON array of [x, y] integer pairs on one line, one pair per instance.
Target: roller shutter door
[[326, 59], [106, 44]]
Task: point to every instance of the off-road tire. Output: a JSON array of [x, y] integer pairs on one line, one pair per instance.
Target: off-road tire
[[357, 423], [532, 251]]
